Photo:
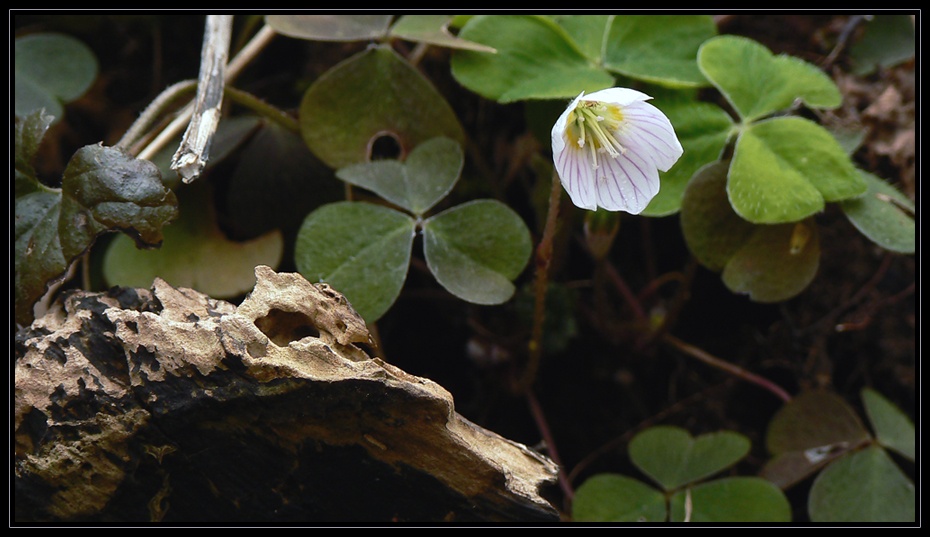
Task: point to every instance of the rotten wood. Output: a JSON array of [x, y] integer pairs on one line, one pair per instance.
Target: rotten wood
[[166, 405]]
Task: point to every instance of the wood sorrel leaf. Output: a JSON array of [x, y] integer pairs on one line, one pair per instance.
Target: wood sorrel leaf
[[372, 94], [331, 27], [535, 59], [475, 249], [672, 457], [703, 130], [757, 83], [617, 498], [892, 427], [770, 263], [587, 31], [362, 250], [434, 30], [276, 183], [427, 176], [888, 40], [807, 433], [195, 253], [776, 263], [712, 231], [50, 69], [866, 486], [783, 170], [103, 189], [884, 215], [733, 499], [660, 49]]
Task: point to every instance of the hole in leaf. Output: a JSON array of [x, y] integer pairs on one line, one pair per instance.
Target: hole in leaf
[[282, 327], [385, 145]]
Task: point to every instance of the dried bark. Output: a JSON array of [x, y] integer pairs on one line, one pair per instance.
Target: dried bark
[[167, 405]]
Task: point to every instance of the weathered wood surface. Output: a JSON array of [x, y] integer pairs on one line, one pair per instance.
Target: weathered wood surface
[[167, 405]]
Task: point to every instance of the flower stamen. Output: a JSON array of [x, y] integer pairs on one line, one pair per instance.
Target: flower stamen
[[600, 123]]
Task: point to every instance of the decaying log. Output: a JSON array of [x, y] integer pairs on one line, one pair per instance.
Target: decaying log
[[167, 405]]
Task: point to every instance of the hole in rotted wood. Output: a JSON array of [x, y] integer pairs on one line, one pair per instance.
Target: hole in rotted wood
[[282, 327]]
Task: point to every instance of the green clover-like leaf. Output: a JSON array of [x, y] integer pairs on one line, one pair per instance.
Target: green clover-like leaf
[[733, 499], [476, 249], [784, 169], [893, 429], [770, 263], [535, 59], [434, 30], [866, 486], [660, 49], [888, 40], [417, 184], [361, 249], [50, 69], [331, 27], [672, 457], [703, 130], [195, 253], [884, 215], [372, 94], [758, 83], [811, 430], [617, 498]]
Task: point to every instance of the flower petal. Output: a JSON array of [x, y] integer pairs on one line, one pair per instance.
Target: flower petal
[[576, 175], [651, 135], [626, 183], [613, 160], [620, 96]]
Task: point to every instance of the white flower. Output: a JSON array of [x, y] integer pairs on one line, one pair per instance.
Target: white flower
[[608, 148]]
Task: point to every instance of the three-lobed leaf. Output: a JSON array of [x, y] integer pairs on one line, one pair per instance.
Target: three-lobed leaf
[[433, 30], [417, 184], [893, 429], [770, 263], [784, 169], [535, 59], [811, 430], [733, 499], [703, 130], [673, 458], [361, 249], [551, 58], [865, 486], [757, 83], [195, 253], [330, 27], [617, 498], [776, 263], [660, 49], [372, 94], [476, 249], [884, 215], [50, 69]]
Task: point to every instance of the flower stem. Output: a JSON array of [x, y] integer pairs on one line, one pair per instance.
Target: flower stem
[[262, 108], [233, 68], [153, 110], [548, 439], [543, 261], [736, 371]]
